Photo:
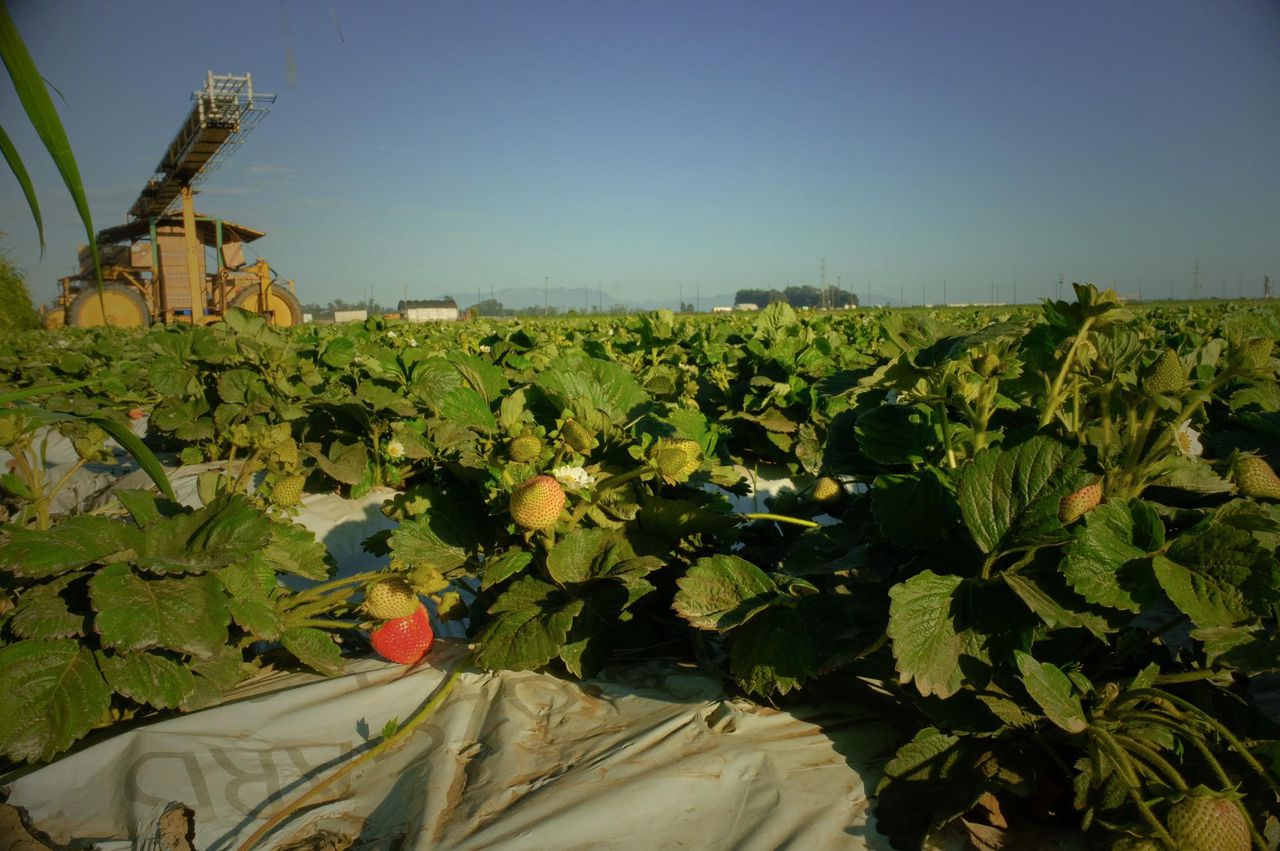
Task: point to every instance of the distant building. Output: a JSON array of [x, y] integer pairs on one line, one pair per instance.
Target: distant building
[[722, 310], [429, 310], [746, 306], [350, 315]]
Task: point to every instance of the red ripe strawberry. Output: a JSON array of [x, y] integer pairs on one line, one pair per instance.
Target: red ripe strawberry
[[1075, 504], [536, 504], [404, 640], [1209, 821]]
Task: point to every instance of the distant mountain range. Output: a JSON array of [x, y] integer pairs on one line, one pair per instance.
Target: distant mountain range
[[564, 299]]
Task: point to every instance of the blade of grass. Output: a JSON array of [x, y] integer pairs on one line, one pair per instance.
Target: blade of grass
[[40, 110], [44, 390], [19, 170]]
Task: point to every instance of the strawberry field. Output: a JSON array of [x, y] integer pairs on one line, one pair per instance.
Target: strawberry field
[[1041, 541]]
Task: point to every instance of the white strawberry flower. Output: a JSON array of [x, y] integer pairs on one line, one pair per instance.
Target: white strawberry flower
[[395, 449], [392, 334], [484, 350], [573, 478], [413, 344], [1188, 440]]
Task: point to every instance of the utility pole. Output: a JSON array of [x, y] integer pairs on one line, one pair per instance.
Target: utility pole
[[822, 282], [1240, 287], [697, 294], [681, 310], [901, 303], [1060, 287], [944, 292], [1195, 280], [922, 293], [545, 291], [1139, 289]]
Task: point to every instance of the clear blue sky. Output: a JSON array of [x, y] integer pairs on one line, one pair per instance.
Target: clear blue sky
[[450, 146]]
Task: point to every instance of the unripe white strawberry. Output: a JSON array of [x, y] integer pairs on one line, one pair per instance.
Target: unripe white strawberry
[[390, 597], [537, 503], [1077, 503], [1209, 821], [1254, 477]]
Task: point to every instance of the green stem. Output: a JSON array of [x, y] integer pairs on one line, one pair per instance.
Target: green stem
[[1054, 400], [941, 409], [1217, 727], [1128, 777], [66, 477], [402, 732], [781, 518], [319, 590], [1171, 774]]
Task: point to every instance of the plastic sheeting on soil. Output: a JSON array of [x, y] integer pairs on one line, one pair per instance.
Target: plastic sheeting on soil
[[653, 756]]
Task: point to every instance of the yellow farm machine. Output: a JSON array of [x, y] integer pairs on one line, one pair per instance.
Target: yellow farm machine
[[167, 263]]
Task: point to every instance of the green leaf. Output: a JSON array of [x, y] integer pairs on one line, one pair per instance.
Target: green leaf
[[898, 434], [344, 462], [227, 530], [36, 102], [1009, 497], [465, 407], [1219, 576], [430, 540], [926, 644], [590, 388], [188, 615], [54, 694], [586, 644], [148, 678], [43, 613], [314, 648], [913, 510], [70, 545], [293, 549], [774, 651], [1107, 563], [1051, 608], [14, 159], [722, 591], [928, 782], [225, 669], [531, 623], [503, 566], [1051, 689], [572, 557]]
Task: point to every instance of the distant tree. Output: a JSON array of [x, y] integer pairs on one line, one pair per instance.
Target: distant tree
[[490, 307]]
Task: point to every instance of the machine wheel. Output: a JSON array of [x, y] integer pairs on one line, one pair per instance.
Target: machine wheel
[[284, 306], [125, 307], [54, 318]]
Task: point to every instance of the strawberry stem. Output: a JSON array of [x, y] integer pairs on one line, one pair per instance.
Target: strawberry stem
[[782, 518]]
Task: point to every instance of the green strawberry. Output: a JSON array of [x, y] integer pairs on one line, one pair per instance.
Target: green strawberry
[[1167, 376], [1257, 353], [578, 438], [678, 459], [1077, 503], [404, 640], [524, 448], [288, 490], [390, 597], [536, 504], [826, 489], [1209, 821], [1254, 477]]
